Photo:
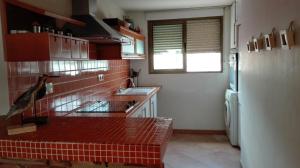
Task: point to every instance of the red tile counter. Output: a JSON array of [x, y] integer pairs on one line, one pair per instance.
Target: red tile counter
[[112, 139], [140, 101]]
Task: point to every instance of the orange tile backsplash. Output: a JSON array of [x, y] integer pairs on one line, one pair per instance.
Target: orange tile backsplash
[[77, 82]]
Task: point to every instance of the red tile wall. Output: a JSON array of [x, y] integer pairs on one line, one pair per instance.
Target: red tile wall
[[77, 82]]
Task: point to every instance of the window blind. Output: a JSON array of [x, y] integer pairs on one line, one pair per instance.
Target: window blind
[[167, 37], [203, 36]]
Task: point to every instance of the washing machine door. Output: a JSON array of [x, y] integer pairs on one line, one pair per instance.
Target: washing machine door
[[227, 114]]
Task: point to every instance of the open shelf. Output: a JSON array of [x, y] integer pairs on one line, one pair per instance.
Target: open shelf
[[43, 12]]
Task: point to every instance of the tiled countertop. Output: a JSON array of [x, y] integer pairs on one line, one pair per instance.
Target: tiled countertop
[[140, 99], [93, 139]]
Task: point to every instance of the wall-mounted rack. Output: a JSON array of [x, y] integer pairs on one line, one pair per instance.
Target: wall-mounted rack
[[258, 43], [270, 40], [287, 37], [250, 46]]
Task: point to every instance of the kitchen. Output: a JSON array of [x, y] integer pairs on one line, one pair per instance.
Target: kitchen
[[172, 115]]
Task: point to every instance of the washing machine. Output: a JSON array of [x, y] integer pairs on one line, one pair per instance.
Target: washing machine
[[232, 117]]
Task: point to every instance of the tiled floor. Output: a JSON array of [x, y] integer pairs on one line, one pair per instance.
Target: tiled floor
[[201, 151]]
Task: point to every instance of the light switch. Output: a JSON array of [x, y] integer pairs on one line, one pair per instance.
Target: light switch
[[101, 77]]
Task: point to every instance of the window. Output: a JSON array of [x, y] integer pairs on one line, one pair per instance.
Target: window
[[188, 45]]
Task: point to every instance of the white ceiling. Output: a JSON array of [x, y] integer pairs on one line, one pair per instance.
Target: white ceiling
[[150, 5]]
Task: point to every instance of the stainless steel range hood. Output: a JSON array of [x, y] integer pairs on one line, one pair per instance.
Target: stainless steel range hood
[[95, 30]]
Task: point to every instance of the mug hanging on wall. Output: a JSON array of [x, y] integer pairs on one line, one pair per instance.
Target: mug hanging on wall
[[270, 40], [287, 37], [258, 43], [250, 46]]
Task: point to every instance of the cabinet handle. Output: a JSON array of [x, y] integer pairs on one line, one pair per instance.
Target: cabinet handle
[[152, 110], [145, 115]]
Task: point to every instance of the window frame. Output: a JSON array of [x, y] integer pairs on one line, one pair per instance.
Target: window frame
[[152, 23]]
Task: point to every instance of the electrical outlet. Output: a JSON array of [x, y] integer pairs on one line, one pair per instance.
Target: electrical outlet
[[49, 88], [101, 77]]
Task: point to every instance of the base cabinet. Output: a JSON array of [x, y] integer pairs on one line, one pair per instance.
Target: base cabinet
[[143, 111], [153, 106], [148, 110]]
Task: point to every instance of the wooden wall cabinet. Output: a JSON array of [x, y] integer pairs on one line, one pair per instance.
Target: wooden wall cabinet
[[93, 51], [17, 15], [136, 47], [75, 48], [105, 51], [84, 49], [66, 49], [44, 47], [133, 43], [55, 49]]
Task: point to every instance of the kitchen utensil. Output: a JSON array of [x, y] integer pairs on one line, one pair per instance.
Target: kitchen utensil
[[69, 34], [45, 29], [59, 32], [36, 28]]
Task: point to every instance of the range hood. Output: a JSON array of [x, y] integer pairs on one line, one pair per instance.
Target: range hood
[[95, 30]]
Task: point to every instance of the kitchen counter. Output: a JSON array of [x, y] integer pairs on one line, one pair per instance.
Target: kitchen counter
[[91, 139], [85, 137], [140, 99]]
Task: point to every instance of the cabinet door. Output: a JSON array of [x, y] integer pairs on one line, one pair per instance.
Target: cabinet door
[[66, 49], [75, 49], [143, 111], [55, 47], [92, 51], [84, 50], [140, 47], [153, 106], [140, 113], [128, 46], [147, 112]]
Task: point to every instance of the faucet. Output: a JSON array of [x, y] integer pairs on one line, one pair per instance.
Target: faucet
[[131, 84]]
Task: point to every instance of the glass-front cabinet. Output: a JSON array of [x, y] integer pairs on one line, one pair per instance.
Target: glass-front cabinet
[[128, 46], [140, 47], [133, 44]]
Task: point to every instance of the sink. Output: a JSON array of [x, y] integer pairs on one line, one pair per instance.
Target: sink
[[136, 91]]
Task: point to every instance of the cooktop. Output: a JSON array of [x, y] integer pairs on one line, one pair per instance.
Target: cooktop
[[107, 107]]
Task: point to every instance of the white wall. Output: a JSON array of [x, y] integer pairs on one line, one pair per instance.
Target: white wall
[[62, 7], [196, 100], [270, 87], [184, 13], [108, 9]]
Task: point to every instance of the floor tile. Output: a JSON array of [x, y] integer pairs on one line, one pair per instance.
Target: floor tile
[[201, 151]]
